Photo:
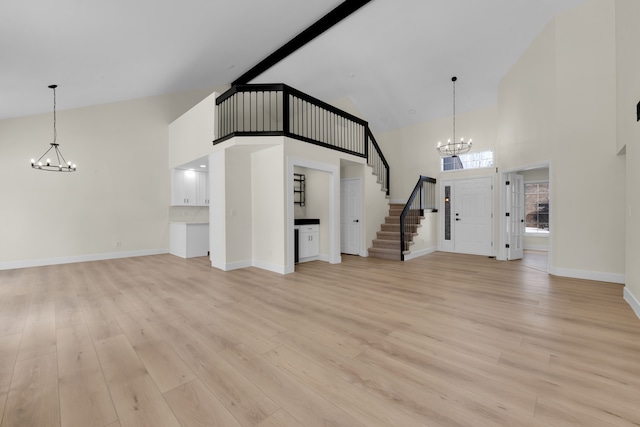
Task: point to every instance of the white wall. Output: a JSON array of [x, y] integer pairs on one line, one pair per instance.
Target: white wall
[[411, 151], [269, 218], [116, 204], [217, 210], [426, 241], [558, 103], [191, 135], [239, 197], [628, 135]]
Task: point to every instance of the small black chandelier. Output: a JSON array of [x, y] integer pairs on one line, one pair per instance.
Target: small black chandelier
[[59, 164], [453, 148]]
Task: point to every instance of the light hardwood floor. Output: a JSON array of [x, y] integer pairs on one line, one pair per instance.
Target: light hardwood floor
[[441, 340]]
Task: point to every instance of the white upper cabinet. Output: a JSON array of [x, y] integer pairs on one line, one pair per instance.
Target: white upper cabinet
[[202, 198], [189, 188]]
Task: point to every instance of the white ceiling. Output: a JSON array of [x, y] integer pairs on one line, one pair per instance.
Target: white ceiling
[[393, 58]]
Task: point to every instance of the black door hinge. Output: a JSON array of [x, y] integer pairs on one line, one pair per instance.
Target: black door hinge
[[508, 183], [508, 214], [506, 246]]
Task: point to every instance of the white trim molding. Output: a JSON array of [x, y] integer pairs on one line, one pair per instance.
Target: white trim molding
[[233, 265], [632, 301], [588, 275], [281, 269], [80, 258], [543, 248], [421, 252], [251, 263], [334, 209]]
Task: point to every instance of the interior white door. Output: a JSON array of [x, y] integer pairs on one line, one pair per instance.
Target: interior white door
[[514, 215], [471, 216], [350, 211]]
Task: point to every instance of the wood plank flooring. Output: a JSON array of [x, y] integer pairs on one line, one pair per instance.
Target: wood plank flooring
[[441, 340]]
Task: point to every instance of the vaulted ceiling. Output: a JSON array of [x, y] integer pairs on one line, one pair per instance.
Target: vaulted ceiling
[[393, 58]]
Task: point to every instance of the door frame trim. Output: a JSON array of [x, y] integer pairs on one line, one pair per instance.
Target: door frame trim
[[334, 210], [501, 254], [441, 208], [361, 213]]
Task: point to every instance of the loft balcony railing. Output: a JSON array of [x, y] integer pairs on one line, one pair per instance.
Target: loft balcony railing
[[278, 109]]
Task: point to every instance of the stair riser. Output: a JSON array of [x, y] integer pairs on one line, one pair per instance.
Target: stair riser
[[409, 228], [394, 212], [385, 256], [395, 236], [396, 220], [388, 244], [388, 235]]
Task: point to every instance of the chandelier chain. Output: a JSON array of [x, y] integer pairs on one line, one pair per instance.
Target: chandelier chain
[[454, 110], [55, 132]]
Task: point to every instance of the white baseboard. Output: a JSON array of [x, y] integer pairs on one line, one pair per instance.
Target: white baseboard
[[233, 265], [309, 259], [80, 258], [324, 257], [544, 248], [281, 269], [588, 275], [632, 301], [364, 253], [421, 252]]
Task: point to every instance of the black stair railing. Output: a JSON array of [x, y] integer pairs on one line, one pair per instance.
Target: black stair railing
[[376, 160], [423, 197], [278, 109]]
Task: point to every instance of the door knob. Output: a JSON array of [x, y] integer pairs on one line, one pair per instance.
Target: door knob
[[356, 220], [457, 219]]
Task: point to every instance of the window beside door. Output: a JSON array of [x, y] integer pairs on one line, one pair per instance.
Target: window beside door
[[537, 207]]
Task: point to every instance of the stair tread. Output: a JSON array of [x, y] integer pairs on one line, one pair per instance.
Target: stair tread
[[385, 250], [387, 243]]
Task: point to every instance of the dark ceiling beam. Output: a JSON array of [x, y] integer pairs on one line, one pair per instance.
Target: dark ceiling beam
[[342, 11]]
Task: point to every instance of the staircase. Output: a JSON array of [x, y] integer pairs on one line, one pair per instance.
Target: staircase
[[387, 243]]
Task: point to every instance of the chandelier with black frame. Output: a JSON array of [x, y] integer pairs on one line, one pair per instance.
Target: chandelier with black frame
[[453, 148], [59, 164]]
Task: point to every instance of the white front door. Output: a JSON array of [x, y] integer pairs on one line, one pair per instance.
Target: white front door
[[514, 215], [350, 211], [467, 214]]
